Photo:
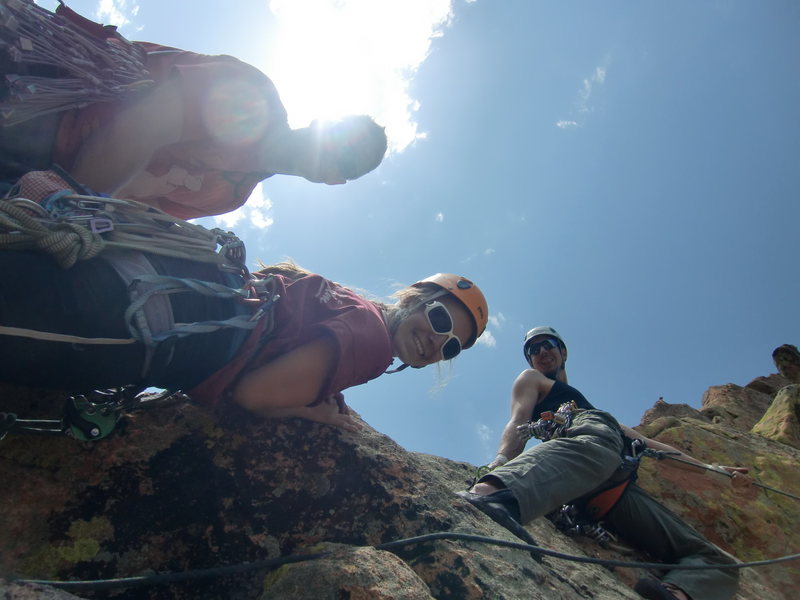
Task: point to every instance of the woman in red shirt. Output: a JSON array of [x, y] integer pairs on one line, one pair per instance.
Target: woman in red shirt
[[318, 339]]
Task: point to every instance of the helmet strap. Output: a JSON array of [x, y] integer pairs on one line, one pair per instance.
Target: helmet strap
[[398, 369], [552, 375]]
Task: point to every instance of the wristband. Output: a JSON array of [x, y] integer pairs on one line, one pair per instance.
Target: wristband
[[500, 459]]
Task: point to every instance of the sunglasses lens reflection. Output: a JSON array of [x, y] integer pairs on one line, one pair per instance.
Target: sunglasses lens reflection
[[440, 319], [451, 349], [442, 323], [547, 344]]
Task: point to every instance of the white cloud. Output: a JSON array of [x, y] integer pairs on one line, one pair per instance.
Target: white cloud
[[337, 57], [583, 104], [600, 75], [485, 433], [439, 217], [497, 320], [488, 251], [487, 339], [585, 93], [257, 211], [115, 12], [486, 440]]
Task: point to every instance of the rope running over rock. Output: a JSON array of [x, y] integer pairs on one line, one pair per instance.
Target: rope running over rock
[[271, 563]]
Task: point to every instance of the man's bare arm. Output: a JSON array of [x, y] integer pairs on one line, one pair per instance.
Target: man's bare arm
[[529, 388]]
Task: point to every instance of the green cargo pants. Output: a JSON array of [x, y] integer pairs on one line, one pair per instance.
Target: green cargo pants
[[551, 474]]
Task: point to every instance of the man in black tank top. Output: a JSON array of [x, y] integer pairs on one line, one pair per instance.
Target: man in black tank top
[[579, 459]]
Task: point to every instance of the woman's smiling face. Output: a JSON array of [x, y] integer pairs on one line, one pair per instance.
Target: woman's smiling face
[[414, 341]]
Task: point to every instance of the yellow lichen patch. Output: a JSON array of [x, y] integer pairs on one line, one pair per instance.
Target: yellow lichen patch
[[273, 576], [209, 427], [86, 537], [98, 528], [780, 423]]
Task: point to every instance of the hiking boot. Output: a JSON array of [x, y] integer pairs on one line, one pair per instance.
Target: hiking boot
[[653, 589], [496, 507]]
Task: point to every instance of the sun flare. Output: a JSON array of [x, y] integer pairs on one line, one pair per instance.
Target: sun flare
[[332, 58]]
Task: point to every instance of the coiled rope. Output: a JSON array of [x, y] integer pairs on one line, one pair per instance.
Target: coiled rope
[[127, 225], [66, 242]]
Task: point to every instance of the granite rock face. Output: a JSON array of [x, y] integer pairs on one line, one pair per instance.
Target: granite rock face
[[174, 490]]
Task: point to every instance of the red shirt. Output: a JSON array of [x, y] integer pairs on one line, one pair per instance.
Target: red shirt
[[311, 307], [229, 108]]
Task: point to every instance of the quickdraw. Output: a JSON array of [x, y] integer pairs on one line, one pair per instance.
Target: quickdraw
[[550, 425], [61, 61], [570, 520], [88, 417]]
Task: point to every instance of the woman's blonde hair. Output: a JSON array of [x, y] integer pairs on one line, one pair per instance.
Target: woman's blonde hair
[[412, 296], [287, 268], [408, 298]]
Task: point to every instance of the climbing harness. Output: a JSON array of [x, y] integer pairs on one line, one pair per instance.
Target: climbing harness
[[71, 227], [584, 516]]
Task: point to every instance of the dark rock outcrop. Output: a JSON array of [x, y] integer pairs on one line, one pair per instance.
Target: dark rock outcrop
[[787, 360], [177, 490]]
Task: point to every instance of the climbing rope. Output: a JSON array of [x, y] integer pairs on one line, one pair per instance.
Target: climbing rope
[[66, 242], [271, 563], [662, 454], [79, 227]]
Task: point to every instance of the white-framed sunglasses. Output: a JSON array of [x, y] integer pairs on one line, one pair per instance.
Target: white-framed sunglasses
[[441, 322]]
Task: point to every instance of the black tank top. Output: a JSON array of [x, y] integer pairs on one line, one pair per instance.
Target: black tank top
[[559, 394]]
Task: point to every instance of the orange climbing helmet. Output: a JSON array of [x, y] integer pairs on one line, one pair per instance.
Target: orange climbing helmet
[[468, 294]]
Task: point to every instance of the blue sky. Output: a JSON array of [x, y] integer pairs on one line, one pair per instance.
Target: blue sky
[[626, 172]]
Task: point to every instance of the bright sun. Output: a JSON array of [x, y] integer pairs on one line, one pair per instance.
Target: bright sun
[[332, 58]]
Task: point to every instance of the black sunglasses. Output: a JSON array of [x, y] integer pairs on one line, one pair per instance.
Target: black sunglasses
[[536, 347], [441, 322]]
